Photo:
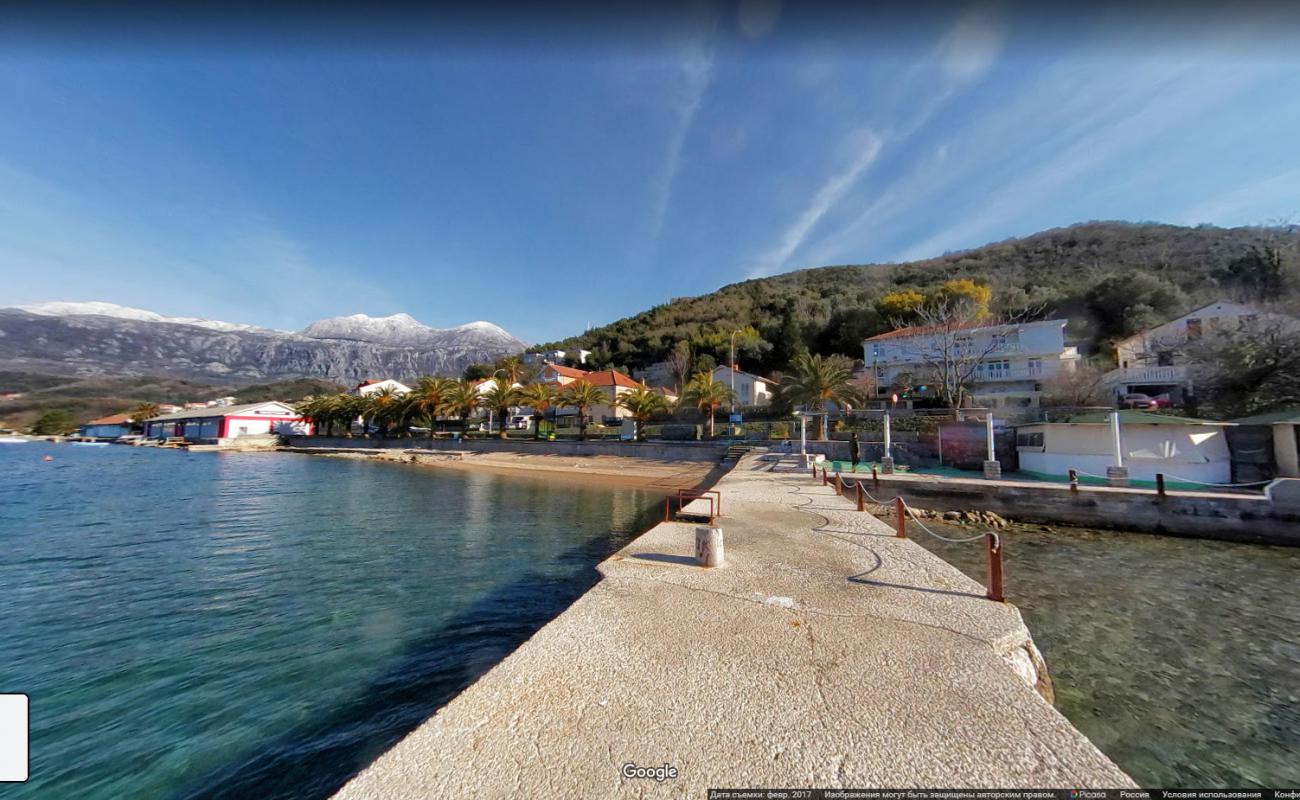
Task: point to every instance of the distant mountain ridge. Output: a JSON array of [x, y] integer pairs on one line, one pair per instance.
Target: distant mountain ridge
[[107, 339]]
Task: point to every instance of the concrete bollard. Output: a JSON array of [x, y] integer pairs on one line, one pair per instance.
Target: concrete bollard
[[708, 547], [887, 465], [1117, 476], [993, 470]]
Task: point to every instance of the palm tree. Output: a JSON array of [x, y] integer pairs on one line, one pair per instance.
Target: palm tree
[[815, 381], [384, 407], [582, 395], [539, 397], [499, 398], [348, 408], [462, 400], [427, 400], [707, 394], [642, 403], [315, 410], [144, 411], [513, 368]]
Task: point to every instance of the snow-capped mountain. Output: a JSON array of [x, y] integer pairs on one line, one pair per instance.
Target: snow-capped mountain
[[403, 330], [111, 339], [96, 308]]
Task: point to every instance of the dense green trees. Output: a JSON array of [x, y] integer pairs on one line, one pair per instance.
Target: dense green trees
[[1107, 278], [52, 422]]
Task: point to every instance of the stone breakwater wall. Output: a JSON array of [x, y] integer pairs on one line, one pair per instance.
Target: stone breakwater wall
[[1272, 517], [683, 451], [825, 652]]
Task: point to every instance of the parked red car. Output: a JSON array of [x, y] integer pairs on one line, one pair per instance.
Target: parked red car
[[1138, 401]]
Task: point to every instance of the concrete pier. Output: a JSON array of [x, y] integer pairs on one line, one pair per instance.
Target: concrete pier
[[826, 653]]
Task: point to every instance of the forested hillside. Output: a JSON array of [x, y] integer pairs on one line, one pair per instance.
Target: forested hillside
[[1109, 278]]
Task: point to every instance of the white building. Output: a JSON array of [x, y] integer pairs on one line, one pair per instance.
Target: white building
[[1153, 362], [1015, 360], [751, 390], [555, 357], [216, 424], [367, 388], [1188, 449]]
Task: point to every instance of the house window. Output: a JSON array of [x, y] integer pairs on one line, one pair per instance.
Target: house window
[[1029, 440], [1035, 366], [1165, 358], [999, 341]]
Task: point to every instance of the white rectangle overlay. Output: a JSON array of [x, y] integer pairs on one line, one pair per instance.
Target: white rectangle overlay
[[13, 738]]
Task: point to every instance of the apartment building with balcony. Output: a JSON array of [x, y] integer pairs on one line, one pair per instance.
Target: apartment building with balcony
[[1154, 362], [1010, 363]]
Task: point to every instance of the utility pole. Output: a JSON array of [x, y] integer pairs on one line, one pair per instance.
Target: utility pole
[[733, 370]]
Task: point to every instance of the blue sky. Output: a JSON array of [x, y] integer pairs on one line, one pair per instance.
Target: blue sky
[[547, 173]]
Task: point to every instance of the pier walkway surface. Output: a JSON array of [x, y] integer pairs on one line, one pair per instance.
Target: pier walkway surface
[[827, 653]]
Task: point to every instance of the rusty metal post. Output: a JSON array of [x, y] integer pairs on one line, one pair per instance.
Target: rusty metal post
[[1074, 481], [839, 484], [824, 479], [862, 504], [875, 478], [813, 467], [667, 500], [1160, 484], [900, 518], [995, 567]]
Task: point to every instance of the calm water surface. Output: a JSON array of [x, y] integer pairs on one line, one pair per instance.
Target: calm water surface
[[226, 625], [1179, 658]]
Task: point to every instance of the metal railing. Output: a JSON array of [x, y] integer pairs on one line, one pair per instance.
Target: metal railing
[[902, 510], [686, 496]]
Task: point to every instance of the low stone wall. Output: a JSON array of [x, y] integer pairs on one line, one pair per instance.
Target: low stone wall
[[683, 451], [1258, 519]]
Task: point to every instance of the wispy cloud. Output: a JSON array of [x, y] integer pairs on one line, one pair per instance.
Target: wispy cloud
[[964, 54], [826, 197], [1238, 206], [695, 76]]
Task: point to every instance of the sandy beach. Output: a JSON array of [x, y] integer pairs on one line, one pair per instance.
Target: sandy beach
[[668, 474]]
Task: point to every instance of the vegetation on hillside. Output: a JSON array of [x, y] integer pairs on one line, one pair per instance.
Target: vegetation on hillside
[[1110, 279]]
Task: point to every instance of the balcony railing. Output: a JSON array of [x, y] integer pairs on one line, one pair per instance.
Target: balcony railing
[[1165, 374]]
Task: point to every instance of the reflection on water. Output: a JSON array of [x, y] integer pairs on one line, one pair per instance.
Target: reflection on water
[[263, 625], [1179, 658]]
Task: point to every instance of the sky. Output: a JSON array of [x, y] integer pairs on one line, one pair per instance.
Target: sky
[[550, 170]]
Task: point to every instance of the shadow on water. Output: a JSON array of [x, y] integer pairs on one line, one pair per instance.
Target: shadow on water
[[315, 759]]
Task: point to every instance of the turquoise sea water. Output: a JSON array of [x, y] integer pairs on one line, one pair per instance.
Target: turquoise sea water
[[1179, 658], [263, 625]]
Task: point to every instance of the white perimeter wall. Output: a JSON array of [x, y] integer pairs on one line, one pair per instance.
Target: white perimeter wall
[[1196, 452]]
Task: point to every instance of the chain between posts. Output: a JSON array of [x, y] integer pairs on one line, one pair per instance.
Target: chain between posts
[[902, 510]]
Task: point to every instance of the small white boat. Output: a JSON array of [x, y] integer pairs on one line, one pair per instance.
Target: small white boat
[[13, 440], [91, 444]]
